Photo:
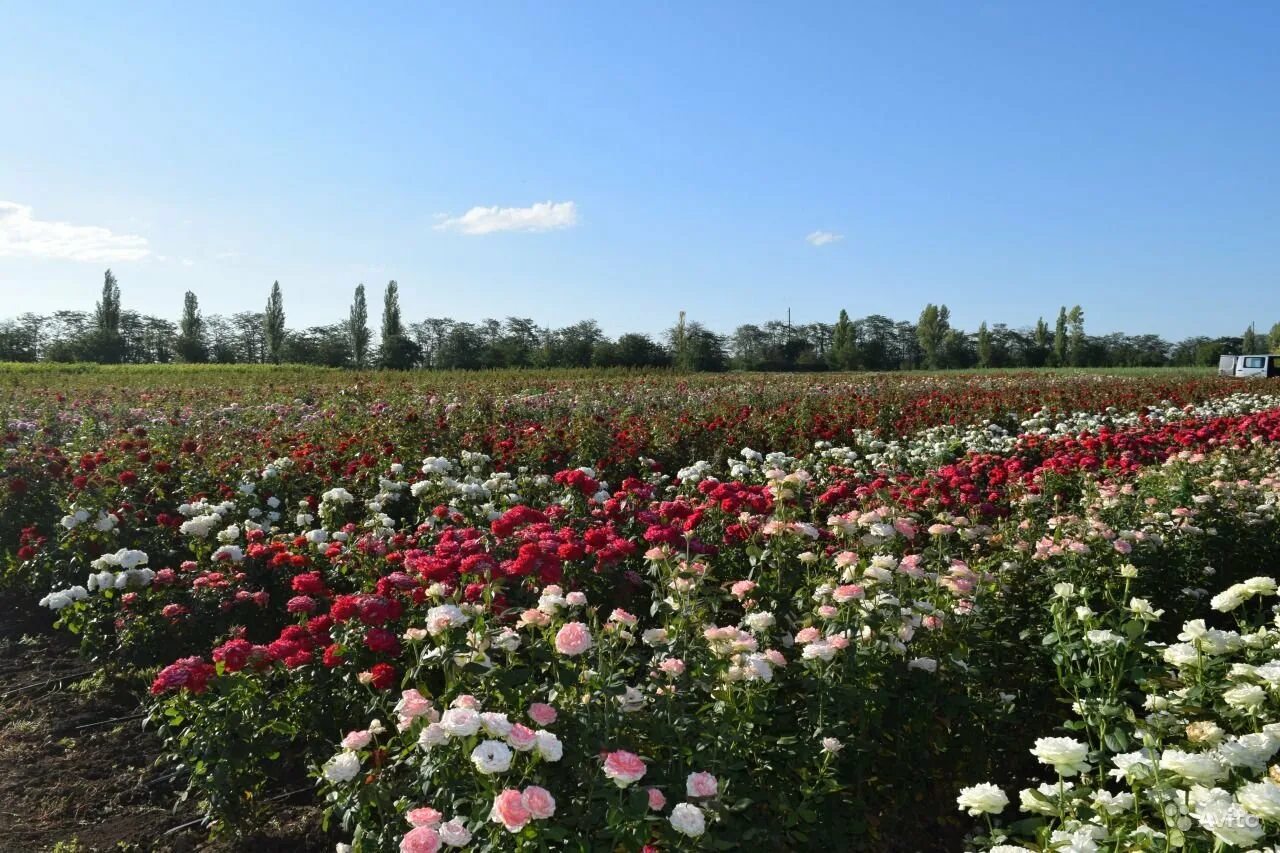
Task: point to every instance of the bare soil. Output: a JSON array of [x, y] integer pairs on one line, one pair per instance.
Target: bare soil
[[79, 772]]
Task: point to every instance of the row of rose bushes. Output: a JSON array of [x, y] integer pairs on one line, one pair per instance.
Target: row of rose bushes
[[809, 652], [190, 432]]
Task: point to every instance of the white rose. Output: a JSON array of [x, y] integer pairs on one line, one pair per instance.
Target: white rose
[[343, 767], [688, 819], [491, 756]]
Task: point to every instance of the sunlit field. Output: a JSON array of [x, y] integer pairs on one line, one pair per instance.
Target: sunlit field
[[599, 610]]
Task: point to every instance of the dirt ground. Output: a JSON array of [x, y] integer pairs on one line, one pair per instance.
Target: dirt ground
[[78, 772]]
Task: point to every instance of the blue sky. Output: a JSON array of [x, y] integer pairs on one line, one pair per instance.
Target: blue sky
[[1002, 158]]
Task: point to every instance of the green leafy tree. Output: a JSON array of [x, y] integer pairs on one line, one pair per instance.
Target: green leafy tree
[[358, 328], [844, 344], [273, 325], [1076, 343], [397, 350], [1273, 339], [985, 350], [1060, 339], [1249, 341], [105, 343], [191, 344], [931, 331]]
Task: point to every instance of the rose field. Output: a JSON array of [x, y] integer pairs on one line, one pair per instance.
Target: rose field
[[298, 609]]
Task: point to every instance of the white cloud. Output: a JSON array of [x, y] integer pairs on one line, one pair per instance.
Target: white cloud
[[543, 216], [822, 238], [24, 236]]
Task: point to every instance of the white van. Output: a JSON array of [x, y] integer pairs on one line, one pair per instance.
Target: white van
[[1249, 366]]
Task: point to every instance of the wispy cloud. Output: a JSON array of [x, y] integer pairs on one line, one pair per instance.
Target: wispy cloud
[[543, 216], [24, 236], [822, 238]]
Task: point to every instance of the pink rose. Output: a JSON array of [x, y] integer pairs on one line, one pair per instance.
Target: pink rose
[[539, 802], [425, 816], [466, 700], [522, 738], [656, 800], [848, 592], [357, 740], [701, 785], [623, 767], [420, 839], [573, 639], [672, 666], [412, 704], [807, 635], [826, 611], [510, 811], [775, 657], [741, 588], [542, 713]]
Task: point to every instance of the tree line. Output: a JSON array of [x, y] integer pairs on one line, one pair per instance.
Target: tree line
[[111, 334]]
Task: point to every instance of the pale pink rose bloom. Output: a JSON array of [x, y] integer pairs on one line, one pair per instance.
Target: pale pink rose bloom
[[573, 639], [775, 657], [466, 700], [906, 527], [421, 839], [807, 635], [522, 738], [932, 622], [623, 767], [357, 740], [941, 529], [847, 592], [535, 618], [910, 565], [654, 555], [1123, 546], [827, 611], [701, 785], [539, 802], [412, 704], [672, 666], [510, 811], [455, 833], [657, 801], [623, 617], [425, 816], [576, 599], [415, 635], [839, 641], [542, 713], [845, 559], [741, 588]]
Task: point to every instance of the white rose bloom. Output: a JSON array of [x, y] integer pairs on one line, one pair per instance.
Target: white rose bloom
[[1130, 765], [1180, 654], [983, 798], [1246, 697], [655, 637], [1066, 755], [1229, 599], [1260, 586], [1103, 638], [1228, 822], [460, 722], [1252, 750], [688, 819], [491, 756], [454, 833], [1201, 768], [433, 735], [343, 767], [760, 620], [1031, 804], [1113, 804], [1261, 799], [549, 746], [926, 664], [495, 724]]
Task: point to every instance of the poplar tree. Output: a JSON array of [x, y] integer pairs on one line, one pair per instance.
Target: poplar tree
[[273, 324], [191, 344], [358, 328]]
